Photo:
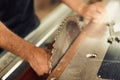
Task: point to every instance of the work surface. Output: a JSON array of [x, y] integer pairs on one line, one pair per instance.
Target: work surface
[[88, 64]]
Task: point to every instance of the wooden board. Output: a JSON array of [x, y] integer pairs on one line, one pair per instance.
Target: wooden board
[[75, 65]]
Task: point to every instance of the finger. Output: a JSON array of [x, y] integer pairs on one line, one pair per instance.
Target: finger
[[48, 64]]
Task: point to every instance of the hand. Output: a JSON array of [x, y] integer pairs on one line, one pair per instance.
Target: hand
[[37, 57], [40, 61], [95, 12]]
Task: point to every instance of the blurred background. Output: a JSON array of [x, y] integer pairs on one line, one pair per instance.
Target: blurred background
[[43, 7]]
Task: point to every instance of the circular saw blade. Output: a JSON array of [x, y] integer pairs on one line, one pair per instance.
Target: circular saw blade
[[67, 33]]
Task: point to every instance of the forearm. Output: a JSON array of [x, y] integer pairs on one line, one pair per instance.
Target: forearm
[[38, 58], [13, 43], [75, 5]]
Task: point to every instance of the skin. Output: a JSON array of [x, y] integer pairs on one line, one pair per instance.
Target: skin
[[95, 12], [38, 58]]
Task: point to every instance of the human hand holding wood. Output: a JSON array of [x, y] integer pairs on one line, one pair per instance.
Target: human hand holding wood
[[95, 11], [39, 61], [38, 58]]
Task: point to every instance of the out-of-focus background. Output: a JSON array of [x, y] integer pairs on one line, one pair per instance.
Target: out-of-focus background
[[44, 7]]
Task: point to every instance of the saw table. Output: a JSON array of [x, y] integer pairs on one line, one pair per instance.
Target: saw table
[[81, 51]]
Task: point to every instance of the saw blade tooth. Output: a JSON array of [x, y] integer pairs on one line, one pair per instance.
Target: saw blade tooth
[[58, 32], [60, 46], [53, 51], [56, 36], [59, 27], [54, 46]]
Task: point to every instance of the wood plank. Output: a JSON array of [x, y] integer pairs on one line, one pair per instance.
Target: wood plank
[[83, 67], [91, 30]]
